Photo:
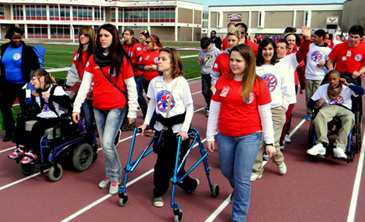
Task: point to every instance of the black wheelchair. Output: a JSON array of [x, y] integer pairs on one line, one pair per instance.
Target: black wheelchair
[[354, 138]]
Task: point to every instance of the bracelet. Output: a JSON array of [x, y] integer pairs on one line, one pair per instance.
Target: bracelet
[[270, 144], [361, 74]]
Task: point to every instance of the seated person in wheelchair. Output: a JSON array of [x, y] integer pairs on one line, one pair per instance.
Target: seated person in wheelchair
[[336, 92], [47, 99]]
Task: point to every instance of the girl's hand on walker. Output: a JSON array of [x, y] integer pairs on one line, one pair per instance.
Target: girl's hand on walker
[[143, 127], [183, 134]]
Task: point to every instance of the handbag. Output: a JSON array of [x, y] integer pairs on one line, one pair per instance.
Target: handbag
[[159, 137]]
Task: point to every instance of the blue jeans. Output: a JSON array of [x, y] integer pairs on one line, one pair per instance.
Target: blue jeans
[[141, 100], [108, 123], [236, 157], [88, 113]]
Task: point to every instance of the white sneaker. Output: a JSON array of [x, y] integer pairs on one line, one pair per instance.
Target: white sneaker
[[317, 149], [113, 189], [105, 183], [255, 176], [338, 152], [158, 202], [282, 168], [287, 139]]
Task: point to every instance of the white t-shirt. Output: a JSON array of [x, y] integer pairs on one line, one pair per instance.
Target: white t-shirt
[[287, 66], [343, 99], [181, 97], [316, 54], [46, 112], [277, 83]]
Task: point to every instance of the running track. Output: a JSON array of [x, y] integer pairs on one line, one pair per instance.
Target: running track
[[312, 190]]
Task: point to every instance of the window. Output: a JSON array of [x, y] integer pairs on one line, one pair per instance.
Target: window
[[59, 13], [37, 31], [98, 13], [162, 14], [2, 12], [82, 13], [135, 15], [60, 32], [18, 12], [36, 12]]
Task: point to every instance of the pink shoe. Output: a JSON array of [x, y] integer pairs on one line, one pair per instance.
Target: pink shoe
[[16, 154], [29, 157]]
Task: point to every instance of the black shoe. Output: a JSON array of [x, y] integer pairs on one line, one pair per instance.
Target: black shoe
[[8, 137], [231, 198]]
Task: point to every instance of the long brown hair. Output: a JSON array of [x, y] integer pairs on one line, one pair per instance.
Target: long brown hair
[[175, 62], [249, 77], [48, 78], [89, 31], [156, 40]]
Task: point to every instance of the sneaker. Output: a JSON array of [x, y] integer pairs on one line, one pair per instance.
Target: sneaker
[[255, 176], [265, 157], [16, 154], [150, 132], [158, 201], [282, 146], [113, 189], [104, 183], [29, 157], [338, 152], [308, 117], [8, 137], [206, 108], [207, 113], [197, 184], [282, 168], [231, 198], [287, 139], [317, 149]]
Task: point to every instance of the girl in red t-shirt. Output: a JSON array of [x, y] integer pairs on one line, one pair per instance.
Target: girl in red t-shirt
[[149, 60], [81, 55], [110, 69], [134, 50], [241, 103], [143, 35]]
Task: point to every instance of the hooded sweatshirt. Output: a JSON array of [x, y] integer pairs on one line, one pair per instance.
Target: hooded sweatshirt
[[208, 59]]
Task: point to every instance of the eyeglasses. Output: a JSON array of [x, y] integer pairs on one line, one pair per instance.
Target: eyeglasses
[[34, 78], [148, 42], [83, 33]]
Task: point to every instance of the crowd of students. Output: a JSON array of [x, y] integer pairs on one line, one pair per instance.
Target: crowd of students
[[249, 89]]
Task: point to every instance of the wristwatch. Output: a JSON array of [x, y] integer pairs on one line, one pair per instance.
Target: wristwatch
[[270, 144]]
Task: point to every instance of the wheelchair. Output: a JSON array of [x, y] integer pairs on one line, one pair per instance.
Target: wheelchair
[[354, 137], [63, 143]]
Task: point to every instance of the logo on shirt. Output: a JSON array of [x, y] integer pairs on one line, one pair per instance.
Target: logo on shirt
[[271, 81], [358, 57], [316, 56], [16, 56], [130, 54], [138, 48], [163, 101], [46, 107], [155, 60], [87, 64], [113, 74], [216, 65], [250, 100], [76, 57], [336, 101]]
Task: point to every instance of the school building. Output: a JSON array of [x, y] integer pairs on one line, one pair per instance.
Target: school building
[[55, 19]]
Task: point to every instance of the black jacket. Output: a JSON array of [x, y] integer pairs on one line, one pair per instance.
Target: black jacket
[[29, 62]]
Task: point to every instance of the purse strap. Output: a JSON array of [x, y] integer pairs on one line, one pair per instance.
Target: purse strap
[[169, 104], [125, 94]]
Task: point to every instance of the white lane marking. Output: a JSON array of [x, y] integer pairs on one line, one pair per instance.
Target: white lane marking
[[2, 151], [83, 210], [355, 191], [196, 93], [218, 210], [297, 127], [21, 180]]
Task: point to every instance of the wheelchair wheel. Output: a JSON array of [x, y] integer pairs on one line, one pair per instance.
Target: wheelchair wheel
[[55, 173], [83, 157], [27, 169]]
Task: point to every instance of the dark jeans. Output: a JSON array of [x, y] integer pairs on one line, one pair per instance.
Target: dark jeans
[[206, 84], [88, 113], [9, 93], [145, 86], [141, 100], [36, 134], [165, 165]]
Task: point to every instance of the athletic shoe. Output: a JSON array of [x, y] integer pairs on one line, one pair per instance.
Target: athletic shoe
[[255, 176], [282, 146], [105, 183], [16, 154], [308, 117], [7, 137], [317, 149], [282, 168], [287, 139], [158, 201], [207, 113], [29, 157], [231, 198], [206, 108], [338, 152], [265, 157], [197, 184], [150, 132], [113, 189]]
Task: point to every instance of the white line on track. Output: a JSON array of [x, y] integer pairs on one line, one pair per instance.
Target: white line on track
[[355, 191], [8, 149], [83, 210], [297, 127]]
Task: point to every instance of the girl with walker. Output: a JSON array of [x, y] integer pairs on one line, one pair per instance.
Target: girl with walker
[[240, 111]]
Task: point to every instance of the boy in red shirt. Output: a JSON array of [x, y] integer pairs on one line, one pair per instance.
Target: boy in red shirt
[[243, 29]]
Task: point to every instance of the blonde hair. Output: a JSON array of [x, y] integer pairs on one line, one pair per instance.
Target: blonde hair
[[235, 32]]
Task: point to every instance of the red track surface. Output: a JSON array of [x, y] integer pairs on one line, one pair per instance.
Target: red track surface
[[312, 190]]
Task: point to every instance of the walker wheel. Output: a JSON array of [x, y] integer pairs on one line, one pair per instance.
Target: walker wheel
[[178, 215], [55, 173], [123, 199], [215, 190]]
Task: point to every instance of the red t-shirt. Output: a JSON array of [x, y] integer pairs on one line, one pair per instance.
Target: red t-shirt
[[107, 96], [253, 45], [348, 62], [149, 58], [224, 44], [78, 64], [237, 117], [221, 65], [144, 46], [134, 51]]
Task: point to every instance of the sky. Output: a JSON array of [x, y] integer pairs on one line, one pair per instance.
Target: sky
[[207, 3]]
